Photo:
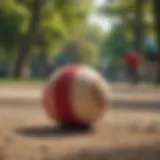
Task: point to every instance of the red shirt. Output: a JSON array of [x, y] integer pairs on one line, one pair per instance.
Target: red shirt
[[132, 59]]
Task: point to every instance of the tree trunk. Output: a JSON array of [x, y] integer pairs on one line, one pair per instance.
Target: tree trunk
[[157, 24], [139, 30], [28, 39]]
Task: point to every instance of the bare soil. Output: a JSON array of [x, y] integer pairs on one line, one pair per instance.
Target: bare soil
[[122, 134]]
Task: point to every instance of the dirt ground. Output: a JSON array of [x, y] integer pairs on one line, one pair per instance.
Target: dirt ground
[[122, 134]]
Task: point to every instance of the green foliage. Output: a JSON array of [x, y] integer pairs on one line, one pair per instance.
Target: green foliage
[[82, 51], [116, 43], [60, 20], [87, 53], [119, 8], [94, 34], [85, 46], [11, 20], [113, 48], [135, 15]]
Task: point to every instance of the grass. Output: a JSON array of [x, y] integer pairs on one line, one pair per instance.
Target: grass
[[21, 81]]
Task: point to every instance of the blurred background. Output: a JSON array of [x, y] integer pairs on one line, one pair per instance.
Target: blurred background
[[119, 38], [38, 36]]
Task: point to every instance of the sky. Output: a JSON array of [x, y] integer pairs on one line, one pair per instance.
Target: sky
[[96, 19]]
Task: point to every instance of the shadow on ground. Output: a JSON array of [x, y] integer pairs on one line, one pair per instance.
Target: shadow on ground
[[52, 131], [145, 152]]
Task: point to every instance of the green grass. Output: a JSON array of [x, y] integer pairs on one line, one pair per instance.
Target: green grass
[[21, 81]]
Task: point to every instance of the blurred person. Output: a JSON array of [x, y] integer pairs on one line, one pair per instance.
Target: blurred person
[[132, 60], [150, 60], [151, 49], [61, 59], [66, 54]]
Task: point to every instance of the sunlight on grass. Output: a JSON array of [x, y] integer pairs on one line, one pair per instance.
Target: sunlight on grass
[[22, 81]]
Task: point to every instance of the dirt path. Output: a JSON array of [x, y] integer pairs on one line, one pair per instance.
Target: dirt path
[[122, 133], [120, 95], [26, 133]]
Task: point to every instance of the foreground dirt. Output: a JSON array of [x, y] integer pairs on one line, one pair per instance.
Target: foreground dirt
[[27, 134], [127, 131]]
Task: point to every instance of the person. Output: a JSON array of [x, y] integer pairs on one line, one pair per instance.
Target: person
[[66, 54], [151, 49], [132, 59], [63, 58], [150, 61]]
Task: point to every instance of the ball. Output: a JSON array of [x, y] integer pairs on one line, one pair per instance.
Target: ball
[[75, 95]]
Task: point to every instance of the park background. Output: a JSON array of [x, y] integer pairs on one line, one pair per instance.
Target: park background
[[35, 33]]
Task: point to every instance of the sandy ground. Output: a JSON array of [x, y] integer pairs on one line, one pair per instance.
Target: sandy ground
[[122, 134]]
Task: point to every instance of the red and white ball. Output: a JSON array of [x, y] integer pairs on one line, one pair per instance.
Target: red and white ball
[[75, 95]]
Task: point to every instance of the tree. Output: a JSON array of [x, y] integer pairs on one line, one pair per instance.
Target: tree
[[84, 47], [134, 14], [68, 13], [113, 48], [157, 22], [94, 34], [11, 20], [139, 25], [80, 51], [28, 39]]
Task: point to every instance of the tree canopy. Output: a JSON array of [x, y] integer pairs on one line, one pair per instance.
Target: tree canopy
[[34, 26]]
